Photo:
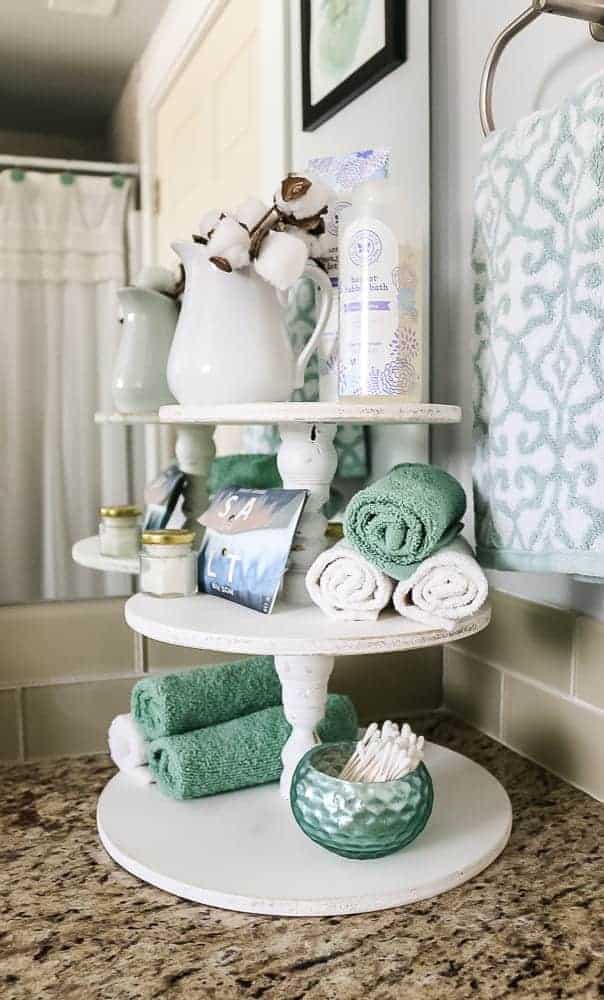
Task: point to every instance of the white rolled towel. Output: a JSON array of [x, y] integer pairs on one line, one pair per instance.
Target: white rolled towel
[[128, 749], [344, 585], [446, 588]]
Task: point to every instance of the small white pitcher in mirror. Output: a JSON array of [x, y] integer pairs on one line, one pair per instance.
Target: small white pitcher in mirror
[[231, 345]]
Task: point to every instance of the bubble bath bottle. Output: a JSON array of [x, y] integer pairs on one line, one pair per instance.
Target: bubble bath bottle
[[380, 300]]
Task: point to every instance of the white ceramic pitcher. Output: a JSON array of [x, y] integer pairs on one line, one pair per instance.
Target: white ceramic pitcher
[[231, 345], [139, 382]]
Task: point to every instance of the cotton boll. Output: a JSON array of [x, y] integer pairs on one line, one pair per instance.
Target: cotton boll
[[230, 242], [231, 259], [250, 212], [281, 260], [302, 197], [318, 247], [228, 233], [208, 222], [239, 256]]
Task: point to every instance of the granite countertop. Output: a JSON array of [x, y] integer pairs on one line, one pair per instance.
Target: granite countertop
[[73, 924]]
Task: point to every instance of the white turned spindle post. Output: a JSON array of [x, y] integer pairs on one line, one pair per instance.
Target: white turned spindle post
[[304, 695], [194, 454], [307, 460]]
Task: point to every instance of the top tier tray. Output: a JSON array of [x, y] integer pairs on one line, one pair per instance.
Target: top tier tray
[[313, 413]]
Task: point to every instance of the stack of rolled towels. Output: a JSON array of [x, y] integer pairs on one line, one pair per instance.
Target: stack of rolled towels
[[402, 544], [213, 729]]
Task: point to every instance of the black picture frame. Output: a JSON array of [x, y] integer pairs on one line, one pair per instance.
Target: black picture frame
[[383, 62]]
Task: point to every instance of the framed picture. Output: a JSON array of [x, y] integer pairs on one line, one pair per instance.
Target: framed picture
[[347, 46]]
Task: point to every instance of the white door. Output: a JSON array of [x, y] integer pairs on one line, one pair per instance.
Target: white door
[[206, 138], [220, 127]]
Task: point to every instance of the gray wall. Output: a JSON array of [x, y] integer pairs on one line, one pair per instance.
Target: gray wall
[[545, 62], [394, 113]]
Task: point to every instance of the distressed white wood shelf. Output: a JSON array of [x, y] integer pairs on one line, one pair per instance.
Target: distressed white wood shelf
[[303, 641], [126, 419], [243, 851], [206, 622], [313, 413], [87, 552]]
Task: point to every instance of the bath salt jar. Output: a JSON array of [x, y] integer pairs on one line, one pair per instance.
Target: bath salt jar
[[119, 531], [168, 564]]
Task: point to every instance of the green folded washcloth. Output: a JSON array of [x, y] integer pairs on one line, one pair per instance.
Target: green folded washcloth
[[192, 699], [405, 517], [239, 753], [249, 472]]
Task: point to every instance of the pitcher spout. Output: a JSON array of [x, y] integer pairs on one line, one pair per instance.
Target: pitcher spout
[[188, 251]]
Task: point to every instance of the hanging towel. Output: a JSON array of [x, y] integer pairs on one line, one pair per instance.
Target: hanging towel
[[445, 589], [239, 753], [538, 260], [405, 517], [344, 585], [192, 699], [128, 748]]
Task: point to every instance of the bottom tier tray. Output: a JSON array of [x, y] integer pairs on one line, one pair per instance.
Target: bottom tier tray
[[87, 552], [243, 851]]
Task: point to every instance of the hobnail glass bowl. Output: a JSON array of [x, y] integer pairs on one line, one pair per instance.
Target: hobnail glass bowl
[[357, 819]]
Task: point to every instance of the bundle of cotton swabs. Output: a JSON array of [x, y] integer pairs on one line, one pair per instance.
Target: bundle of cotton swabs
[[384, 755]]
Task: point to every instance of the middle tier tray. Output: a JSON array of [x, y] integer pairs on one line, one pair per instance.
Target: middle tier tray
[[206, 622]]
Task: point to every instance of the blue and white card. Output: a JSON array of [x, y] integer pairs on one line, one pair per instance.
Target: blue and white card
[[163, 500], [249, 535]]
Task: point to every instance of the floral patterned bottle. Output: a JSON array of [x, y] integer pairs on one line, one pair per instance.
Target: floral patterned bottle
[[380, 348]]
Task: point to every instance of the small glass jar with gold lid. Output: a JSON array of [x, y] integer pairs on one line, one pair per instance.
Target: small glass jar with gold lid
[[119, 531], [168, 563]]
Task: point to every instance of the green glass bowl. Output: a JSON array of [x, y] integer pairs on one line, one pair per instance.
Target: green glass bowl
[[357, 819]]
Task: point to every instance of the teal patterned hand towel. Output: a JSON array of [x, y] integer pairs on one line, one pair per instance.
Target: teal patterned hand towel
[[252, 472], [192, 699], [538, 259], [405, 517], [240, 753]]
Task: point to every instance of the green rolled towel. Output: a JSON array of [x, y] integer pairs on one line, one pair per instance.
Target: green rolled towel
[[192, 699], [405, 517], [249, 472], [239, 753]]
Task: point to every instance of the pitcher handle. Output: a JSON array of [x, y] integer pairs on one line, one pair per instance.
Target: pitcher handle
[[317, 274]]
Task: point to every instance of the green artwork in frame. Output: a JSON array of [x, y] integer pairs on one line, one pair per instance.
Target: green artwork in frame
[[347, 46]]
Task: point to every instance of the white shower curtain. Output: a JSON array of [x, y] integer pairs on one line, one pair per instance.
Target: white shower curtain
[[63, 254]]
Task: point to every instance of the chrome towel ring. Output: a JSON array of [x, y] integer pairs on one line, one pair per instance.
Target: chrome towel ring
[[584, 10]]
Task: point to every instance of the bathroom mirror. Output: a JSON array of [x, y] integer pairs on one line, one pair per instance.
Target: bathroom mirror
[[69, 238], [122, 122]]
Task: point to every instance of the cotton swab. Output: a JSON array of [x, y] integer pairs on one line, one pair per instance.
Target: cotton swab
[[384, 755]]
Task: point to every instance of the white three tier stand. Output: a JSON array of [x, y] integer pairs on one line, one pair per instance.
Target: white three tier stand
[[243, 850]]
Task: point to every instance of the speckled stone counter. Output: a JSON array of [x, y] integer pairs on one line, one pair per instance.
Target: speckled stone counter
[[74, 925]]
